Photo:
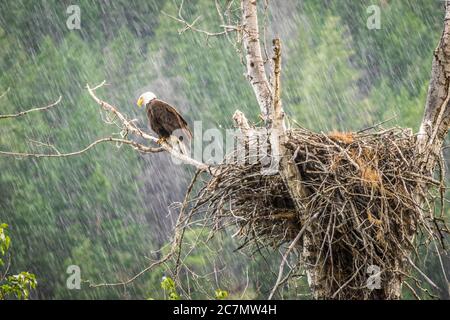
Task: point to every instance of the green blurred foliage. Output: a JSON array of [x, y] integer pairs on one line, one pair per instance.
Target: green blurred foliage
[[16, 286]]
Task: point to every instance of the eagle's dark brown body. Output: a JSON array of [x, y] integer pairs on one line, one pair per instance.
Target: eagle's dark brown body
[[165, 119]]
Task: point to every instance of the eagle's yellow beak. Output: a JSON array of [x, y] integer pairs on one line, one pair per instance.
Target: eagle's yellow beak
[[140, 102]]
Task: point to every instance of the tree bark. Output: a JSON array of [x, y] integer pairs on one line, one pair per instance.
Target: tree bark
[[272, 110], [433, 130], [293, 181], [436, 119], [256, 74]]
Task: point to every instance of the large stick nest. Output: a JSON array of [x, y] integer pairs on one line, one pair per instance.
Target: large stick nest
[[366, 191]]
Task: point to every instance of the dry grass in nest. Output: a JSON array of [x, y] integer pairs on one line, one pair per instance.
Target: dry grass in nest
[[365, 189]]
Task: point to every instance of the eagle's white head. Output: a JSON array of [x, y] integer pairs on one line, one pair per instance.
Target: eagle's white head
[[145, 98]]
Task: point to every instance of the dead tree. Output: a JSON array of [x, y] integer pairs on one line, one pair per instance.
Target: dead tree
[[428, 145], [343, 201], [436, 119], [362, 213]]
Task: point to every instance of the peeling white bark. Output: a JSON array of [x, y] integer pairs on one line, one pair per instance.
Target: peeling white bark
[[256, 74], [436, 119], [269, 101], [433, 131]]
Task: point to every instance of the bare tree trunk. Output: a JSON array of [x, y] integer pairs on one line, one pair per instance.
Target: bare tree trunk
[[432, 133], [271, 107], [436, 119], [293, 181], [256, 74]]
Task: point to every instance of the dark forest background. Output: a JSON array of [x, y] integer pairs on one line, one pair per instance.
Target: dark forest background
[[110, 209]]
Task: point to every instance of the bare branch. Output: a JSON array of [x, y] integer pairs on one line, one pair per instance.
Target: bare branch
[[288, 169], [130, 127], [228, 26], [175, 245], [423, 274], [127, 127], [57, 154], [22, 113], [277, 107], [241, 121], [288, 251], [191, 26]]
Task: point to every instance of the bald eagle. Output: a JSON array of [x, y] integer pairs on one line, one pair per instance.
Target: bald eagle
[[164, 120]]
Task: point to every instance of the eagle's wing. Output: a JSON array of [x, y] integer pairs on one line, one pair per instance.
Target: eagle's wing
[[169, 118]]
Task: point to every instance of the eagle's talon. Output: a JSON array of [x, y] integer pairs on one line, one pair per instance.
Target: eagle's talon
[[161, 140]]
